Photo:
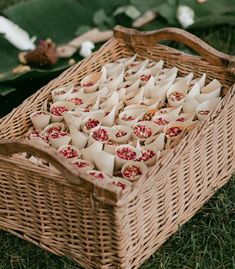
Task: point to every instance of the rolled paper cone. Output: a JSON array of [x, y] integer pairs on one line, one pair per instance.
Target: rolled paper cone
[[140, 170], [135, 72], [90, 122], [211, 87], [121, 93], [177, 89], [57, 109], [73, 118], [149, 155], [174, 130], [96, 105], [166, 74], [57, 142], [110, 147], [58, 125], [170, 111], [90, 82], [127, 61], [90, 151], [113, 69], [208, 96], [104, 162], [36, 137], [195, 90], [101, 134], [138, 65], [131, 117], [121, 133], [187, 78], [100, 178], [150, 102], [190, 106], [155, 105], [113, 100], [161, 120], [131, 86], [61, 93], [83, 165], [79, 139], [119, 162], [206, 107], [148, 85], [121, 183], [157, 142], [40, 119], [70, 152], [113, 82], [137, 99], [110, 118], [186, 117], [79, 99], [144, 129], [201, 81], [159, 91]]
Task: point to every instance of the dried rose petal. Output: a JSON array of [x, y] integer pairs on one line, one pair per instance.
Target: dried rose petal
[[97, 175], [59, 134], [58, 110], [126, 154], [69, 152], [59, 93], [142, 131], [76, 100], [203, 112], [100, 135], [80, 164], [176, 96], [120, 133], [173, 131], [145, 77], [146, 155], [119, 184], [88, 84], [91, 123], [161, 121], [127, 118], [182, 119], [132, 172]]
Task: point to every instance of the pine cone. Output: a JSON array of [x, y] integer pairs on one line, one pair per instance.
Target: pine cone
[[44, 55]]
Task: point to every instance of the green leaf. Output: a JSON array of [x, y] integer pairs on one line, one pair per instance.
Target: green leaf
[[168, 12], [145, 5], [101, 19], [4, 90], [132, 12]]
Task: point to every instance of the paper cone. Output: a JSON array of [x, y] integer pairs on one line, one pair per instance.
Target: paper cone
[[113, 100], [98, 177], [208, 96], [57, 108], [190, 106], [174, 130], [211, 87], [59, 139], [127, 61], [101, 134], [137, 99], [90, 122], [79, 139], [91, 82], [130, 86], [90, 151], [159, 91], [161, 120], [207, 107], [130, 117], [113, 69], [166, 74], [121, 134], [195, 90], [201, 81], [61, 93], [40, 119], [170, 111], [104, 162], [109, 120], [110, 147], [180, 88], [121, 183], [73, 118], [156, 142], [113, 82], [82, 165], [142, 170], [69, 152], [148, 129]]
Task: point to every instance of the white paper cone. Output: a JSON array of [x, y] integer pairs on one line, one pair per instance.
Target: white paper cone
[[201, 81], [69, 106], [157, 142], [190, 106], [61, 93], [79, 139], [208, 96], [109, 120], [104, 162], [90, 151], [60, 141], [180, 125], [206, 107], [211, 87], [71, 118], [40, 119], [91, 82], [121, 183], [179, 87], [151, 129], [118, 131], [69, 148], [82, 165], [137, 99], [143, 169]]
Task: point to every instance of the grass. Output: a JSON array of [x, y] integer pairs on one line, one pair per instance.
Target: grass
[[207, 241]]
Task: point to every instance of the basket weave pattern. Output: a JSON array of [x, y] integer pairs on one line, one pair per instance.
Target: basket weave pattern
[[40, 205]]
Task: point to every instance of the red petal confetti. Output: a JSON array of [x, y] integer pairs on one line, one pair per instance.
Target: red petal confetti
[[173, 131], [127, 118], [146, 155], [58, 110], [100, 135], [119, 184], [97, 175], [88, 84], [126, 154], [59, 93], [182, 119], [203, 112], [132, 172], [77, 101], [59, 134], [176, 96], [120, 133], [39, 114], [145, 77], [142, 131], [161, 121], [91, 123], [69, 152], [80, 164]]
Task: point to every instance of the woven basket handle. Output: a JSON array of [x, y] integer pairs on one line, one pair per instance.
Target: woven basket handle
[[104, 193], [133, 37]]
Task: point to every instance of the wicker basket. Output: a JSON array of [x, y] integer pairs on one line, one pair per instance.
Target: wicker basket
[[99, 227]]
